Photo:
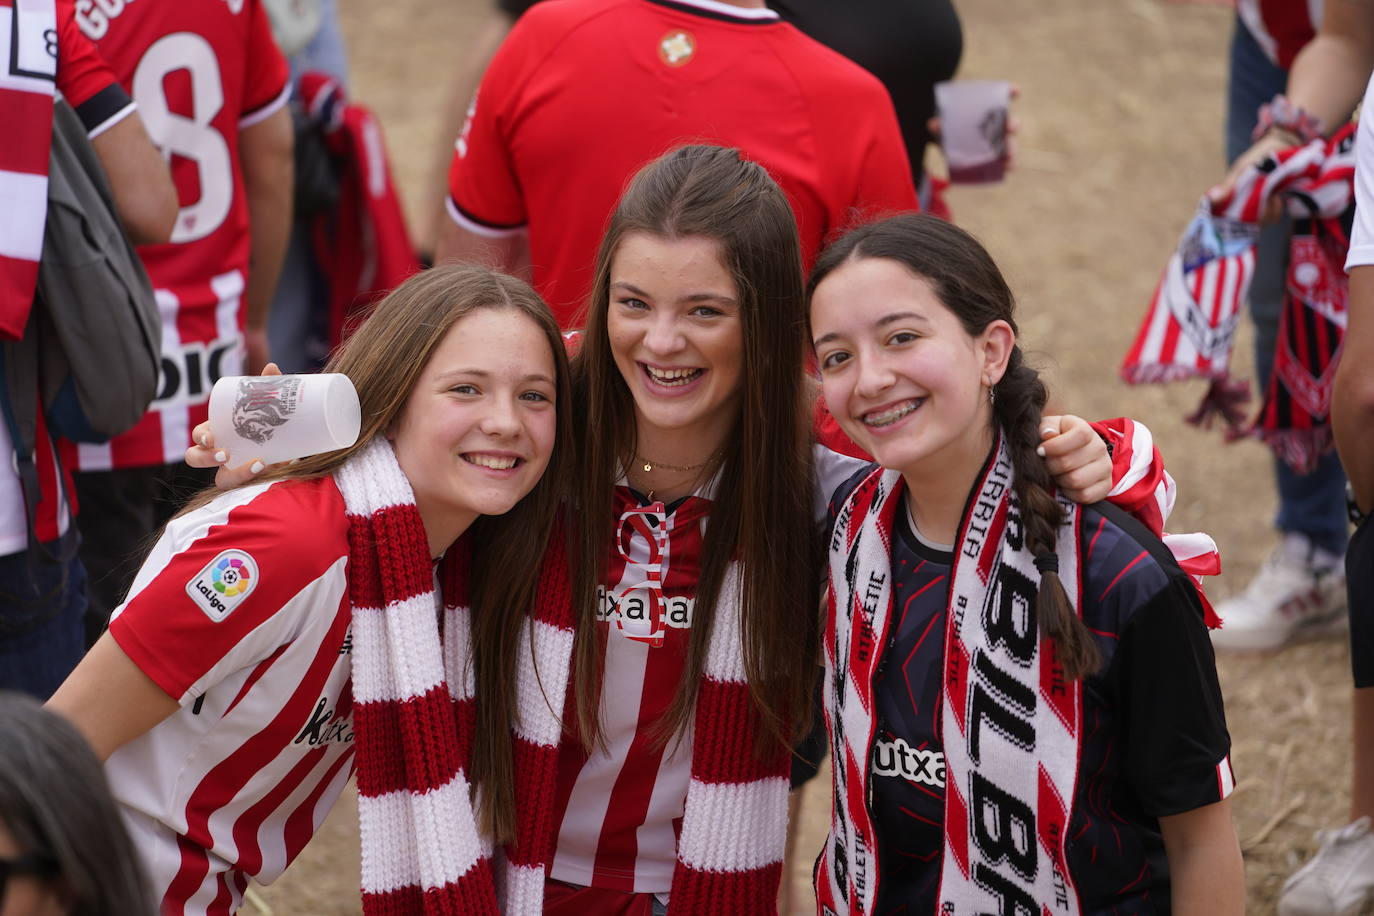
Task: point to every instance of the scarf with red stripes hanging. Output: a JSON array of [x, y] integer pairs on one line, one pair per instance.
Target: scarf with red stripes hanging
[[1003, 748], [1295, 419], [1190, 325], [28, 54], [413, 690], [734, 822]]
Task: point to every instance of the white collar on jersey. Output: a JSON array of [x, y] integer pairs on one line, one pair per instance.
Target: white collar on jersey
[[729, 9]]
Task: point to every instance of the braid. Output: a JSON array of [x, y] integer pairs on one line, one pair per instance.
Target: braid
[[1020, 400]]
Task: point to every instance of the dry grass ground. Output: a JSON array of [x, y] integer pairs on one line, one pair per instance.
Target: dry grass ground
[[1121, 112]]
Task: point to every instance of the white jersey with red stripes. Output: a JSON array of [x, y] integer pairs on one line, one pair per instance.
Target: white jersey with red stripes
[[241, 614], [620, 810], [200, 73]]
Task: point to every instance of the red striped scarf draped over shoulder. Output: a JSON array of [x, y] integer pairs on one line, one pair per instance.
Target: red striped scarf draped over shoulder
[[413, 708], [28, 30]]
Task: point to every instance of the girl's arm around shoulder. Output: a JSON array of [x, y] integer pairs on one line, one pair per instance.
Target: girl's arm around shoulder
[[1205, 867]]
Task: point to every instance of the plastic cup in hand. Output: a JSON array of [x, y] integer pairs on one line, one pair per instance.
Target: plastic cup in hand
[[280, 417], [973, 128]]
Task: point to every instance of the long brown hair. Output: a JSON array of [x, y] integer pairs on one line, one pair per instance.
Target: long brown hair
[[384, 358], [761, 511], [966, 280]]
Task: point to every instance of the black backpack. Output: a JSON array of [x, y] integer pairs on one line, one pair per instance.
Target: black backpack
[[92, 348]]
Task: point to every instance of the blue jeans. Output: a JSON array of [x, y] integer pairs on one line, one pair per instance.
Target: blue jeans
[[42, 617], [1312, 504]]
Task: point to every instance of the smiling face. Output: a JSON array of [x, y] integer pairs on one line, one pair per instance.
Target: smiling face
[[900, 373], [677, 338], [478, 429]]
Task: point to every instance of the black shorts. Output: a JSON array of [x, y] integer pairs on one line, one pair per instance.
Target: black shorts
[[1359, 585]]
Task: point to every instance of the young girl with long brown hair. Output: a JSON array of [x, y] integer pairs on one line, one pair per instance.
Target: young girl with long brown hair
[[1020, 691], [279, 627]]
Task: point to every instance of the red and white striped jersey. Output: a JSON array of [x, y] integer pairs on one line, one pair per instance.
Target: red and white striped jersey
[[251, 635], [200, 72], [1281, 27], [620, 810]]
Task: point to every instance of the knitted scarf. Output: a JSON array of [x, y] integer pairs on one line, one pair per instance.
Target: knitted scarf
[[28, 55], [734, 826], [413, 712], [1190, 325], [1010, 720]]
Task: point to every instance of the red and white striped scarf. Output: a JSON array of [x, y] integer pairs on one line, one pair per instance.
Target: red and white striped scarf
[[1295, 419], [734, 824], [413, 711], [28, 30], [1010, 724], [1190, 325]]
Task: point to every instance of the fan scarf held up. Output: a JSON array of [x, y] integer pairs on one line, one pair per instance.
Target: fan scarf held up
[[1190, 325]]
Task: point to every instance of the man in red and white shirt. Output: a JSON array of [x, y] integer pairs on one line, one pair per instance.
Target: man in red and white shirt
[[581, 95], [213, 87], [41, 583]]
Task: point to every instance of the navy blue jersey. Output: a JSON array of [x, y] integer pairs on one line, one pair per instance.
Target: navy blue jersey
[[1154, 733]]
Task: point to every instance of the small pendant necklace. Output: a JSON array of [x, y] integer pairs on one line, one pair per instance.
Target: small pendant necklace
[[651, 466]]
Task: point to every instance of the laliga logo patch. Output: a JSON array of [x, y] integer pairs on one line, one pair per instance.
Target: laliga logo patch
[[223, 583], [677, 47]]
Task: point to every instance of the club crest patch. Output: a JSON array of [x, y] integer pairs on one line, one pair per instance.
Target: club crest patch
[[677, 47], [223, 583]]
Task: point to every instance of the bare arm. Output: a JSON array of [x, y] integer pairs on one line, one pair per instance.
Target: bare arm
[[465, 80], [266, 151], [143, 191], [1326, 80], [509, 253], [1205, 867], [110, 700], [1352, 404]]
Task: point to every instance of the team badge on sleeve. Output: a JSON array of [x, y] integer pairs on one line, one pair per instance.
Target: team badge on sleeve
[[224, 582]]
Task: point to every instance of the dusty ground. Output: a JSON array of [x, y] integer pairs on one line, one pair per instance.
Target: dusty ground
[[1120, 111]]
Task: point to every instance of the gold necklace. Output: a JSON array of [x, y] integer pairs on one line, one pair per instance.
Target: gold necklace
[[650, 466], [660, 465]]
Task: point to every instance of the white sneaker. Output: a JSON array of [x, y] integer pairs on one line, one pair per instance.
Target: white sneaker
[[1299, 592], [1336, 881]]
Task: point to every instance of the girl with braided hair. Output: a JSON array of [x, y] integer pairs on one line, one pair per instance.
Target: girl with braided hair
[[1020, 691]]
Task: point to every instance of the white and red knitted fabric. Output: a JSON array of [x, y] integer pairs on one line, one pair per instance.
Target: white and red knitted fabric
[[413, 708], [27, 83], [734, 824]]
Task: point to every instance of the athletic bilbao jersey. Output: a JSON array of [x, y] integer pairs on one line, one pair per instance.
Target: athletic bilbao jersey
[[1154, 734], [250, 635], [581, 95], [620, 810], [200, 71]]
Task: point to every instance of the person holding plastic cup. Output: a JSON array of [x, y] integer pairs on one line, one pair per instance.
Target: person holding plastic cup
[[283, 634]]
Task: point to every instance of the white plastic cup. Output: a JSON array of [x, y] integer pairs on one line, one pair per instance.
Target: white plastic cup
[[973, 129], [280, 417]]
